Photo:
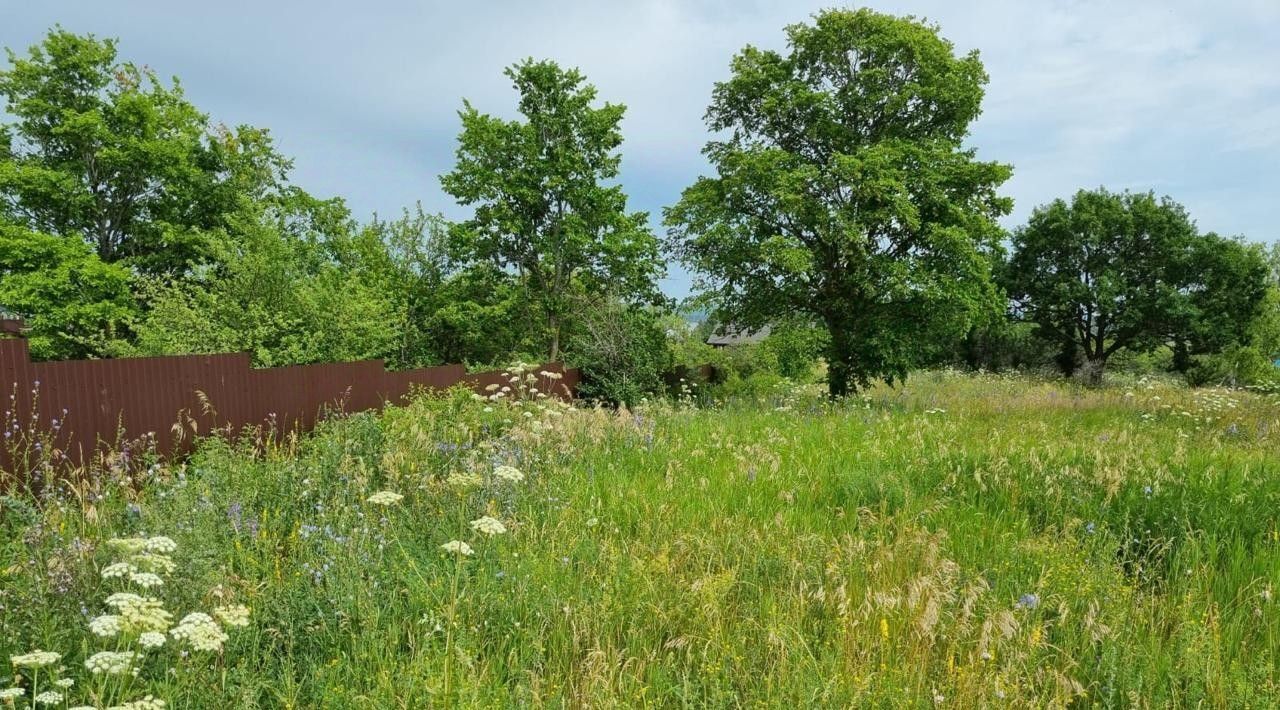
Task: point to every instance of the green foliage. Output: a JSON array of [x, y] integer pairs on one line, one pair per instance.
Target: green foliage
[[622, 351], [72, 302], [541, 205], [844, 193], [104, 151], [794, 347], [1127, 271], [278, 293]]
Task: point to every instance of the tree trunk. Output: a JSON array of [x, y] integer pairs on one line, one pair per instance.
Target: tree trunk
[[553, 322], [1181, 356], [839, 362], [1094, 368]]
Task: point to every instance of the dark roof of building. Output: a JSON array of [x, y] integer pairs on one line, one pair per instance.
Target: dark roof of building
[[735, 336]]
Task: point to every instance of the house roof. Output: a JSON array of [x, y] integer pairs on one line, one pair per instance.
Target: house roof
[[735, 336]]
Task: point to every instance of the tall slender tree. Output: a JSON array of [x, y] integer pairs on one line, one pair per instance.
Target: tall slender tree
[[544, 203]]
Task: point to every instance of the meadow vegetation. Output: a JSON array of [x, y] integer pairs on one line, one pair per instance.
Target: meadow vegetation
[[964, 541]]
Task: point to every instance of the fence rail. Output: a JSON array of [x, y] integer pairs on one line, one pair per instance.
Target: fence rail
[[86, 405]]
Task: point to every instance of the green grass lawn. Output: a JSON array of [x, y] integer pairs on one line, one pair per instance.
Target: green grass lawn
[[962, 541]]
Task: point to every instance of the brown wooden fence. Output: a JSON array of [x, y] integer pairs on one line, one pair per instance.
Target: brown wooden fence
[[88, 404]]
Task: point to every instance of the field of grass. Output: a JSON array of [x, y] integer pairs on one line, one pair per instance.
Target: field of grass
[[961, 541]]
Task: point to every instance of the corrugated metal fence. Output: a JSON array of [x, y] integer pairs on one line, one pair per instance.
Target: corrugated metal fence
[[90, 404]]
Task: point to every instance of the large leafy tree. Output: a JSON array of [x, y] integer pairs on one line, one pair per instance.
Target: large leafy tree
[[103, 150], [843, 192], [1112, 271], [543, 198]]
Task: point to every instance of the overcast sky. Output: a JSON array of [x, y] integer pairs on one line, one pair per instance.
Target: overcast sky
[[1177, 96]]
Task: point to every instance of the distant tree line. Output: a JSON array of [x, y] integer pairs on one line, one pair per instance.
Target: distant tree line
[[844, 208]]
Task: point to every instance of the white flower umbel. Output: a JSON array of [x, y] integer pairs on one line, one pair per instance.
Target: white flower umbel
[[488, 526], [458, 547], [148, 703], [11, 694], [146, 580], [117, 570], [385, 498], [234, 615], [48, 697], [106, 626], [151, 639], [35, 659], [200, 631], [160, 545], [464, 480], [510, 474], [110, 662]]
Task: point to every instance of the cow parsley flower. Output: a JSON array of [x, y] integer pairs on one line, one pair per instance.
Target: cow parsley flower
[[48, 697], [64, 682], [508, 473], [464, 480], [12, 693], [146, 580], [106, 626], [140, 613], [118, 570], [200, 631], [35, 659], [458, 547], [234, 615], [127, 545], [150, 702], [385, 498], [160, 545], [152, 562], [151, 639], [488, 526], [110, 662]]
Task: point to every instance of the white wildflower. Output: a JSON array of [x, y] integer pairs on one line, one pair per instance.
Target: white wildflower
[[106, 626], [146, 580], [118, 569], [153, 562], [110, 662], [234, 615], [48, 697], [127, 545], [200, 631], [464, 480], [140, 613], [508, 473], [160, 545], [488, 526], [458, 547], [150, 702], [151, 639], [11, 693], [491, 388], [385, 498], [64, 682], [35, 659]]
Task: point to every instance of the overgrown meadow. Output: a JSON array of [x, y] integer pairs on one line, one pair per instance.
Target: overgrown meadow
[[963, 541]]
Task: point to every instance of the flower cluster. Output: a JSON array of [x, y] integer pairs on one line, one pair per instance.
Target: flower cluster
[[200, 631], [136, 624], [385, 498], [488, 526]]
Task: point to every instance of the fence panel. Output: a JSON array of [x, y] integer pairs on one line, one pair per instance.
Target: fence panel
[[91, 405]]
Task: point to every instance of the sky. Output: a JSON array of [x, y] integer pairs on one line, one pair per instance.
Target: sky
[[1177, 96]]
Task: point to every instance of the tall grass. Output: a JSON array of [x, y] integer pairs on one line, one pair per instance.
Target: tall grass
[[960, 541]]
